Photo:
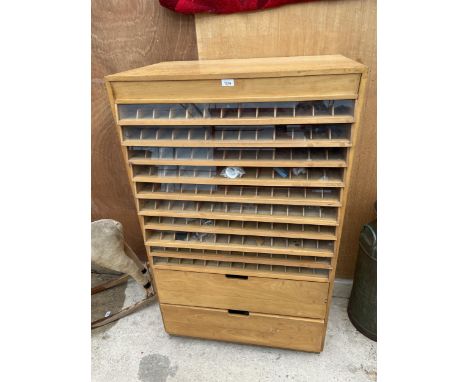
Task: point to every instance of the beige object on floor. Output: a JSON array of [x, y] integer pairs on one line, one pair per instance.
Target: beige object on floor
[[109, 250]]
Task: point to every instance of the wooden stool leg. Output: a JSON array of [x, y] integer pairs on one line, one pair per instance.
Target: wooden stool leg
[[109, 284], [122, 313]]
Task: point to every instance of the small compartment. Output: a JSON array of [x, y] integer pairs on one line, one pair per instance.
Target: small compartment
[[180, 134], [304, 109], [195, 111], [229, 110], [179, 111], [323, 108], [226, 133], [321, 132], [183, 153], [162, 111], [249, 110], [343, 107], [200, 133], [266, 133], [164, 170], [297, 132], [163, 133], [248, 134], [202, 153], [212, 111], [266, 110], [340, 131], [285, 109], [132, 133]]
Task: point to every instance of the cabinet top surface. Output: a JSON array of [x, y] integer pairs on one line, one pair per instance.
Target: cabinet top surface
[[241, 68]]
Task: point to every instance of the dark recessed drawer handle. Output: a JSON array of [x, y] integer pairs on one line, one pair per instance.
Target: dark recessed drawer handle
[[240, 312], [237, 277]]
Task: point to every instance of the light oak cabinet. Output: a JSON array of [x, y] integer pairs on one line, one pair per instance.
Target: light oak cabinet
[[248, 258]]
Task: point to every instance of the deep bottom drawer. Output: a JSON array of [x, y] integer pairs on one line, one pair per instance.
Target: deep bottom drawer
[[255, 294], [254, 328]]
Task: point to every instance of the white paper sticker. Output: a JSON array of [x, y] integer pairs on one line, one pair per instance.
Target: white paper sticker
[[227, 82]]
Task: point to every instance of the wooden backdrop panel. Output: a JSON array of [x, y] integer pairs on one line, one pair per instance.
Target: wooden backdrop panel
[[345, 27], [126, 34]]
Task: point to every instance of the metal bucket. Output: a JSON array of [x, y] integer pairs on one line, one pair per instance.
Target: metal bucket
[[362, 307]]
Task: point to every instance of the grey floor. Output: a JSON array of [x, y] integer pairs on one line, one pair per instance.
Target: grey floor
[[136, 348]]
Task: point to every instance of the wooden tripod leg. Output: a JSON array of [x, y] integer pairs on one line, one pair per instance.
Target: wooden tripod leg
[[109, 284], [122, 313]]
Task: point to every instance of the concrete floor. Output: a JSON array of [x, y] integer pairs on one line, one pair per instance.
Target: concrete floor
[[137, 348]]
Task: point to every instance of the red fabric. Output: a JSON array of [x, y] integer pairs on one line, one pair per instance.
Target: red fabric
[[222, 6]]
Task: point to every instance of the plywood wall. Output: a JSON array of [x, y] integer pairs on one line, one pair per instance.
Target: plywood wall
[[346, 27], [132, 33], [126, 34]]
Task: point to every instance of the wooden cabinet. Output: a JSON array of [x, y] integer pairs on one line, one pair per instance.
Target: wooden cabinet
[[240, 171]]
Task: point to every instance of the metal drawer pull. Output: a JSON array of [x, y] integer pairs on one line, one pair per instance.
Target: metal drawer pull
[[237, 277], [240, 312]]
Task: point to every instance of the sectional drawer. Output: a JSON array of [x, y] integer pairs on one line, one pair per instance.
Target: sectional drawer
[[251, 328], [254, 294], [342, 86]]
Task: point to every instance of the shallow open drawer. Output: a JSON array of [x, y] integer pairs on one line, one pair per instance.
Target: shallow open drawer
[[240, 211], [254, 176], [261, 195], [243, 260], [285, 267], [325, 135], [242, 243], [210, 226], [244, 112], [248, 157]]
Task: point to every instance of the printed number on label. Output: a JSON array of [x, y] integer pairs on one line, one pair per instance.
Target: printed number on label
[[227, 82]]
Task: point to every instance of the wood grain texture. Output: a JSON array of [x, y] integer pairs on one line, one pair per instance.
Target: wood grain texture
[[245, 272], [346, 27], [254, 294], [252, 89], [259, 329], [242, 68], [126, 34], [111, 195]]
